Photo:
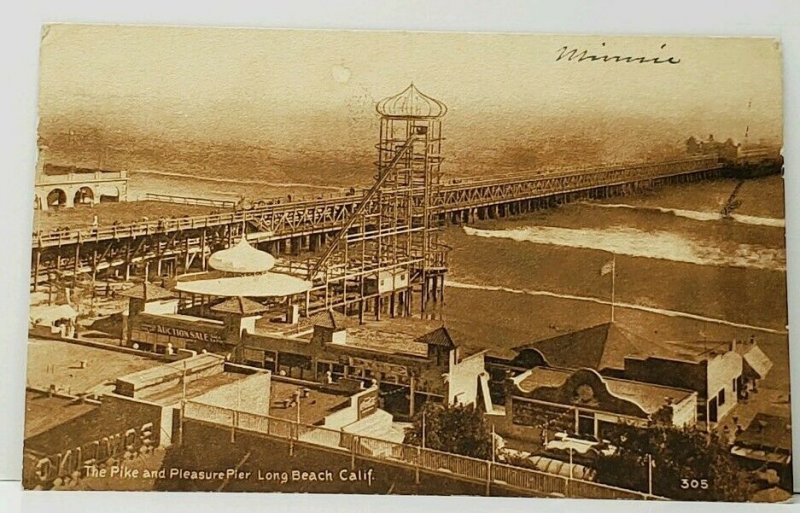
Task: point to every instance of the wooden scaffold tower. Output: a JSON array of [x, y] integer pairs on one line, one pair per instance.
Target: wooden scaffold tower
[[388, 252]]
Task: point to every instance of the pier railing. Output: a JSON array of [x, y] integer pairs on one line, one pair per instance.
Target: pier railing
[[490, 473], [188, 200]]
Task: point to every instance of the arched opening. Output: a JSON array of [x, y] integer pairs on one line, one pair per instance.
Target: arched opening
[[37, 202], [56, 198], [109, 194], [84, 196]]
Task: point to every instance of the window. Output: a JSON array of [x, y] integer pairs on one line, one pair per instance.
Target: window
[[734, 384], [721, 397], [586, 424]]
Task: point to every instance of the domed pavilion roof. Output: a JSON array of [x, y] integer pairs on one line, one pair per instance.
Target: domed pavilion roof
[[411, 103], [267, 284], [242, 258]]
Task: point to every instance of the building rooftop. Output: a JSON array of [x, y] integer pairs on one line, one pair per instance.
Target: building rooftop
[[56, 169], [770, 431], [268, 284], [43, 412], [194, 388], [164, 384], [439, 337], [248, 392], [385, 341], [600, 347], [697, 351], [313, 409], [331, 319], [55, 362], [239, 306], [176, 369], [148, 292], [398, 336]]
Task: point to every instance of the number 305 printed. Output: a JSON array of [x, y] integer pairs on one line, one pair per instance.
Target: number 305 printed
[[694, 484]]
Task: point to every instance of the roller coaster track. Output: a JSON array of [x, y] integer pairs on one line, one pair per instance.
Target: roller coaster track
[[361, 207]]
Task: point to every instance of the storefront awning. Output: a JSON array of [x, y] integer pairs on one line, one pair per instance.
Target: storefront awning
[[758, 363], [761, 455]]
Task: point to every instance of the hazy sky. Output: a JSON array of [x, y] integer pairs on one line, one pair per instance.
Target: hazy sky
[[243, 79]]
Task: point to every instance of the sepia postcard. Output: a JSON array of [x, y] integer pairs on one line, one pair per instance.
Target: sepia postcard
[[408, 263]]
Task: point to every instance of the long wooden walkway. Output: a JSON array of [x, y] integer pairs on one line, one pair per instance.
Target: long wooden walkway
[[291, 226]]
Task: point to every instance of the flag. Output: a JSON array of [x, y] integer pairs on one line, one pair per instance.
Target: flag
[[607, 268]]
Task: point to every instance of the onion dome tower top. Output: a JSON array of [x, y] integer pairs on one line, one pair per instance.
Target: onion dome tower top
[[411, 103], [242, 259]]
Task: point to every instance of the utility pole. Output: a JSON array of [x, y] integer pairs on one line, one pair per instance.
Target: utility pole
[[489, 466], [183, 403], [571, 471], [423, 429], [297, 395]]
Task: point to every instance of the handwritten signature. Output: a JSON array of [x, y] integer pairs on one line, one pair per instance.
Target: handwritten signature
[[579, 55]]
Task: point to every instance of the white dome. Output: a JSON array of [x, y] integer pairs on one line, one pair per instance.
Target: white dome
[[242, 258]]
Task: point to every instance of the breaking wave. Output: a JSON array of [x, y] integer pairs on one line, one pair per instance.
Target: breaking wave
[[646, 244], [702, 216]]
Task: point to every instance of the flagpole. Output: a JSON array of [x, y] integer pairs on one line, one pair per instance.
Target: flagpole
[[613, 282]]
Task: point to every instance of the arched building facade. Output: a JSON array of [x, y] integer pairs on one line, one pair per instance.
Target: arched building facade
[[63, 186]]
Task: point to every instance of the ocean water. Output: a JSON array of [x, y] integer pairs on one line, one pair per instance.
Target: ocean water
[[666, 256], [681, 271]]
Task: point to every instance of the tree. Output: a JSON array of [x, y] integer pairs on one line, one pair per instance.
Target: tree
[[689, 464], [458, 429]]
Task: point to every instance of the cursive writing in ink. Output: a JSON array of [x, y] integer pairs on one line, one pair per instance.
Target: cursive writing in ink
[[579, 55]]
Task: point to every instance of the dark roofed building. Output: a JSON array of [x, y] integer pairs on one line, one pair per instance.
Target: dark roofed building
[[240, 306], [440, 344], [439, 337], [603, 348], [331, 319], [147, 291], [330, 326], [713, 369]]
